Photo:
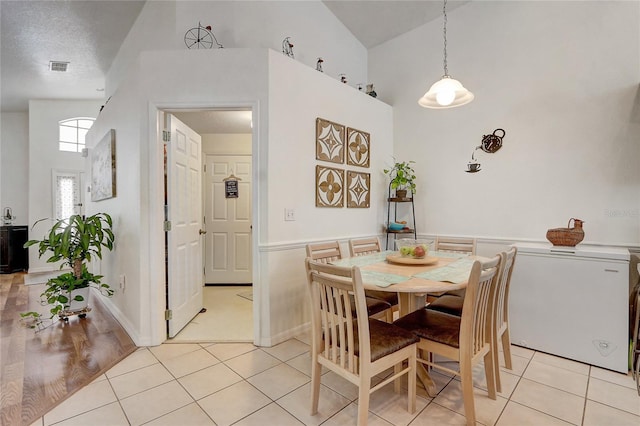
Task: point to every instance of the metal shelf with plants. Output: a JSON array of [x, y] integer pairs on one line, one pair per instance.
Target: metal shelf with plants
[[393, 204]]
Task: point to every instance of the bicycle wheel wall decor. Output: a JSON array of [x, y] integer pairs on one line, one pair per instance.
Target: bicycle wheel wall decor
[[329, 187]]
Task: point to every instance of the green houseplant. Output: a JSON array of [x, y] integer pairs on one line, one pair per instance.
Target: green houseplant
[[74, 242], [402, 178]]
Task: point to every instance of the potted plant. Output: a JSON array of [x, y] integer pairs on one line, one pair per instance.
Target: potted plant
[[402, 178], [75, 242]]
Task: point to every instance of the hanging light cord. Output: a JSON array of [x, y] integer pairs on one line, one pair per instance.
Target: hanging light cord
[[444, 32]]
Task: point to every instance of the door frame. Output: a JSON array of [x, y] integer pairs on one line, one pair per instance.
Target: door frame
[[155, 325]]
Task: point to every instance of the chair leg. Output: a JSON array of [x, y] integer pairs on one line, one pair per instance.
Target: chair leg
[[389, 315], [363, 400], [490, 374], [466, 379], [506, 348], [495, 361], [396, 383], [315, 384], [411, 382]]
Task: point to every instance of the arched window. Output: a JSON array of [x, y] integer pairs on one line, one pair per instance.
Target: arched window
[[73, 132]]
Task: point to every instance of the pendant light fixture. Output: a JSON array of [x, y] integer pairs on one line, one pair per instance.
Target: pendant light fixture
[[447, 92]]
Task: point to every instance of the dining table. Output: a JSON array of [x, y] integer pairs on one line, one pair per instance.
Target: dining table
[[413, 279]]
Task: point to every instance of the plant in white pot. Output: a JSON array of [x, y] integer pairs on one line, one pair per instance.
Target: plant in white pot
[[74, 242], [402, 178]]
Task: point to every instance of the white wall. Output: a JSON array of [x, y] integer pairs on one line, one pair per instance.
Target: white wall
[[226, 143], [563, 83], [297, 96], [14, 165], [44, 156], [284, 134], [314, 31]]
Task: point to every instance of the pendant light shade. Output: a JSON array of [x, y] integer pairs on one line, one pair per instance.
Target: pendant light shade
[[447, 92]]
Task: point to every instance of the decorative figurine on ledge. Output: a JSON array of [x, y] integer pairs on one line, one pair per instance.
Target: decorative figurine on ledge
[[371, 91], [200, 38], [287, 47]]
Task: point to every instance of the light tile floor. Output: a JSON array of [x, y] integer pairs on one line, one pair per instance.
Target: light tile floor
[[240, 384], [228, 317]]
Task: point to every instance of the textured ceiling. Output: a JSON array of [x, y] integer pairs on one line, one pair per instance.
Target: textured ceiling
[[87, 34]]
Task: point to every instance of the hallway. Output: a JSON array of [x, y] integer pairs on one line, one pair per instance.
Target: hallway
[[229, 317]]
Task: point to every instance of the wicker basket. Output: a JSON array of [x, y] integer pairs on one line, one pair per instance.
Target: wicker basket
[[567, 237]]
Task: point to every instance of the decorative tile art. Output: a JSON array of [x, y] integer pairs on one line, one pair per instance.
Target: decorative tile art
[[329, 187], [358, 147], [358, 185], [330, 139]]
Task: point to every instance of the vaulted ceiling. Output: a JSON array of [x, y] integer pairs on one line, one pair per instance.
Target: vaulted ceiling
[[88, 34]]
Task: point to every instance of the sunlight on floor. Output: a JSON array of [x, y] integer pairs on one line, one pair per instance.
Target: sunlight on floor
[[229, 317]]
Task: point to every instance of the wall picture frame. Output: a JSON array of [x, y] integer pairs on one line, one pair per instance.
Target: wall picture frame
[[358, 147], [103, 168], [330, 141], [358, 190], [329, 187]]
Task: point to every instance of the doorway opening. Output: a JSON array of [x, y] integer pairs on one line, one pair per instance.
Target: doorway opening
[[225, 228]]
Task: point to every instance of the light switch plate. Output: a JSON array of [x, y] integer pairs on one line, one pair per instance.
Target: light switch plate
[[289, 215]]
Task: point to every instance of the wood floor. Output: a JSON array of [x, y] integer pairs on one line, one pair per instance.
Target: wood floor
[[40, 370]]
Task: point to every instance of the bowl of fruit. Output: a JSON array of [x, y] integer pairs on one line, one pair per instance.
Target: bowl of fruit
[[416, 249]]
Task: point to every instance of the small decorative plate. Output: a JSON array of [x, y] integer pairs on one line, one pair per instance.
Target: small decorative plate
[[398, 258]]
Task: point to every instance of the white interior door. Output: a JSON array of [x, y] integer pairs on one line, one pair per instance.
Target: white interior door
[[228, 221], [184, 212]]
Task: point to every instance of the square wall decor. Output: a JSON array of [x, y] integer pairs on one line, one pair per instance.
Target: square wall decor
[[330, 138], [358, 147], [329, 187], [358, 185]]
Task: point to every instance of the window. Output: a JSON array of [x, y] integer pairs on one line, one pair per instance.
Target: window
[[66, 193], [73, 132]]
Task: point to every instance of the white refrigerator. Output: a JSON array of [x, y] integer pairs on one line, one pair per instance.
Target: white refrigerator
[[572, 302]]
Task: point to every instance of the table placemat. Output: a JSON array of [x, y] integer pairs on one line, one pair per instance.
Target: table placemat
[[456, 272], [365, 260], [448, 254], [381, 279]]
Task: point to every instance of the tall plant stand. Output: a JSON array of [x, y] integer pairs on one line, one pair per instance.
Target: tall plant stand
[[392, 214]]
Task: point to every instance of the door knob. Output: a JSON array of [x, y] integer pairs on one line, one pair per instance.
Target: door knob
[[202, 232]]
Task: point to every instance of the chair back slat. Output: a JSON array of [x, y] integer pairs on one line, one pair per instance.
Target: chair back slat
[[334, 319], [363, 246], [476, 321], [324, 252], [456, 244]]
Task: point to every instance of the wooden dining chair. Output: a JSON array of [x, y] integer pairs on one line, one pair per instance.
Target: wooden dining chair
[[465, 339], [500, 305], [355, 347], [329, 251], [455, 245], [501, 314], [364, 246]]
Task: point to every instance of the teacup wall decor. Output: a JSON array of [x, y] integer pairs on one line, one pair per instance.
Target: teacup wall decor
[[473, 167], [490, 144]]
